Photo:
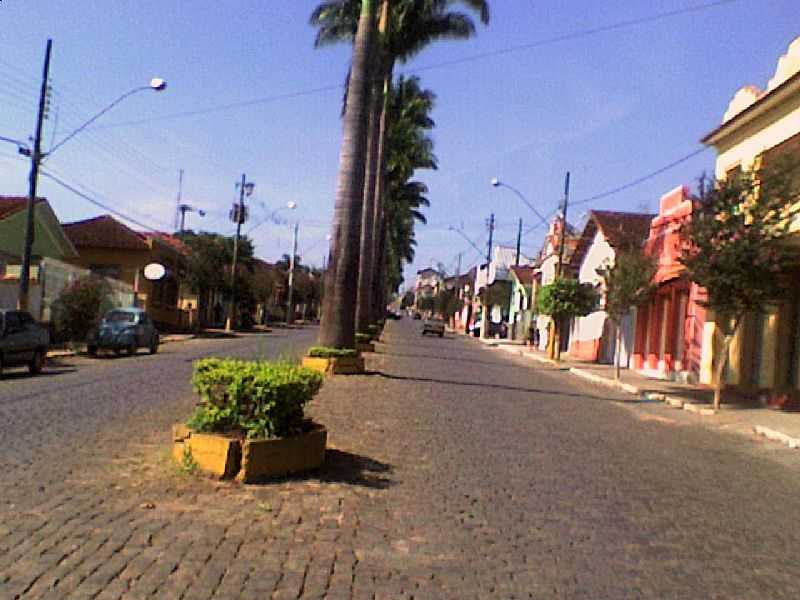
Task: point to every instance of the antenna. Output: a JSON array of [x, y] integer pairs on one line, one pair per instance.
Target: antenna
[[178, 205]]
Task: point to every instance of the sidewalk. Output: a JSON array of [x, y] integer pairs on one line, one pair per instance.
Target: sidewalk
[[742, 417]]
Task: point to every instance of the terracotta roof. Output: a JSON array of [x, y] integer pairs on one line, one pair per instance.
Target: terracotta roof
[[167, 239], [621, 229], [104, 232], [11, 204], [524, 274]]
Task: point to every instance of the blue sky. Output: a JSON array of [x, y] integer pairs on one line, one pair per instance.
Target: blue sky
[[609, 107]]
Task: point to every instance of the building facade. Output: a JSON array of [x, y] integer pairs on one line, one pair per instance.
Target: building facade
[[758, 128], [669, 336]]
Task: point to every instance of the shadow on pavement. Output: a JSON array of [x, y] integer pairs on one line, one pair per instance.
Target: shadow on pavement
[[10, 373], [355, 469], [496, 386], [459, 359]]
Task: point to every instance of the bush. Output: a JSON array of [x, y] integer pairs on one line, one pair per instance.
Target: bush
[[258, 399], [363, 338], [325, 352], [78, 308]]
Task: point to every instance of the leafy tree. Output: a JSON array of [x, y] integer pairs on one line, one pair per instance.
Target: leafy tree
[[407, 300], [564, 299], [447, 303], [627, 283], [734, 247], [79, 307], [208, 266], [426, 303]]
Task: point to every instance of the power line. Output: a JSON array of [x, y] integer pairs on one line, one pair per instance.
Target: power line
[[113, 211], [573, 36], [466, 59]]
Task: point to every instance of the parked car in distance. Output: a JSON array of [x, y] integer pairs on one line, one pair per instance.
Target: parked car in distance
[[417, 316], [499, 330], [124, 329], [23, 342], [434, 326]]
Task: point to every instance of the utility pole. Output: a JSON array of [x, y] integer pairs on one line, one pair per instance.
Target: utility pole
[[519, 243], [238, 216], [289, 303], [563, 228], [554, 335], [485, 298], [36, 157]]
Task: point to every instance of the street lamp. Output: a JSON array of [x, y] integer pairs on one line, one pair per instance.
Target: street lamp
[[184, 208], [497, 183]]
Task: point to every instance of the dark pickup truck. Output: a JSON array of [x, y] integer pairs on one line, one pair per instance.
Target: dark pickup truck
[[23, 343]]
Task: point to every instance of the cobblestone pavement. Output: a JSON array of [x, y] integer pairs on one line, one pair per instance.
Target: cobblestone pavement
[[454, 472]]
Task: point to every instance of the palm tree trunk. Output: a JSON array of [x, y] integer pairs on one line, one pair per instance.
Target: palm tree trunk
[[366, 270], [378, 223], [338, 314]]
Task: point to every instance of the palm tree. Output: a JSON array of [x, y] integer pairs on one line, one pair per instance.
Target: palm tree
[[418, 23], [338, 312]]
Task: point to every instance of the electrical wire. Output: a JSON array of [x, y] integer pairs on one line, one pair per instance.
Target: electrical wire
[[105, 206], [466, 59]]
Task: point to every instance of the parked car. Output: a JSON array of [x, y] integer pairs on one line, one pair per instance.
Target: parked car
[[417, 316], [434, 326], [499, 330], [23, 343], [124, 329]]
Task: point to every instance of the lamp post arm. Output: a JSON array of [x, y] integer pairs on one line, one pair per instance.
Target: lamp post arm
[[97, 116], [524, 199]]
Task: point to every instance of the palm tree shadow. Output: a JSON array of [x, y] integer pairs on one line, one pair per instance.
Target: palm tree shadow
[[480, 384], [459, 359]]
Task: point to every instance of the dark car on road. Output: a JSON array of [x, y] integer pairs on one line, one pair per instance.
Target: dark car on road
[[124, 330], [23, 343]]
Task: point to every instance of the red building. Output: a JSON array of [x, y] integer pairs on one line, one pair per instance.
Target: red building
[[669, 329]]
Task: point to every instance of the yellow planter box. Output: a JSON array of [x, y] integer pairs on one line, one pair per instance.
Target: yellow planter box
[[262, 459], [215, 454], [343, 365]]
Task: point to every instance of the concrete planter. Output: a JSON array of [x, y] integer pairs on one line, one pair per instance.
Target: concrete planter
[[365, 347], [226, 457], [262, 459], [212, 453], [342, 365]]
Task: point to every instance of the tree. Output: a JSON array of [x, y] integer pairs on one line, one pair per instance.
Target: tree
[[563, 299], [208, 266], [341, 282], [406, 27], [79, 307], [447, 303], [627, 283], [734, 247]]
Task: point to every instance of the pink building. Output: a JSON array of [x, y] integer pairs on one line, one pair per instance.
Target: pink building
[[669, 329]]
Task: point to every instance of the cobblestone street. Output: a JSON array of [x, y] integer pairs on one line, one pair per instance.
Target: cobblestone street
[[454, 471]]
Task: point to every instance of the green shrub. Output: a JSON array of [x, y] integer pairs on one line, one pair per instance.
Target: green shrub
[[325, 352], [78, 308], [363, 338], [259, 399]]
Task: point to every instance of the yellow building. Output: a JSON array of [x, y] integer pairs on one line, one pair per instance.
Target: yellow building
[[111, 249], [759, 127]]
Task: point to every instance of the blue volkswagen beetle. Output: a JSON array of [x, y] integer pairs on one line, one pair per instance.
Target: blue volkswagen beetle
[[124, 330]]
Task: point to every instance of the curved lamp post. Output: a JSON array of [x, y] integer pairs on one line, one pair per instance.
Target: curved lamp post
[[497, 183], [37, 156]]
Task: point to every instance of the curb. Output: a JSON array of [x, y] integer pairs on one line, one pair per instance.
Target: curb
[[68, 353], [777, 436], [612, 383]]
